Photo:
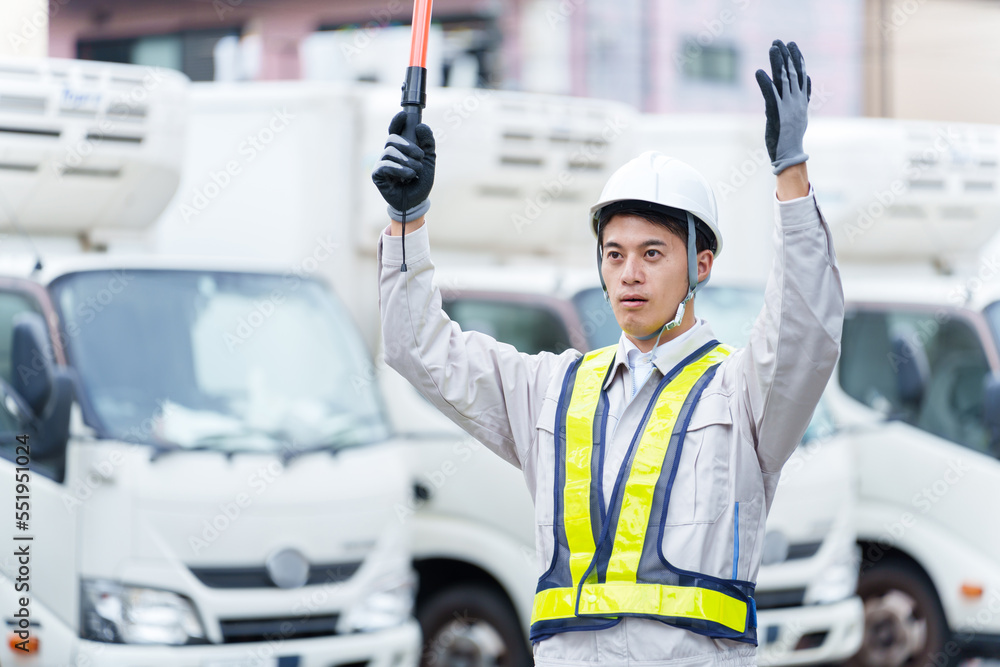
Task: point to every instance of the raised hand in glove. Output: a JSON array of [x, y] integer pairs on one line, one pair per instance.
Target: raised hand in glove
[[786, 100], [405, 172]]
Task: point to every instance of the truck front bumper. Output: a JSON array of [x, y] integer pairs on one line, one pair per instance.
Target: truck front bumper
[[810, 634], [396, 647]]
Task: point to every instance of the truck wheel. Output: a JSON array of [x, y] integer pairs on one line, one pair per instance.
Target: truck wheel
[[471, 626], [904, 622]]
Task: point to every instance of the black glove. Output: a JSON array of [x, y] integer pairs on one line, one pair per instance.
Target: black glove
[[786, 101], [405, 173]]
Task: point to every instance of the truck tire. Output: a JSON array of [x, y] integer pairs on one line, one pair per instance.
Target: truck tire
[[471, 626], [905, 624]]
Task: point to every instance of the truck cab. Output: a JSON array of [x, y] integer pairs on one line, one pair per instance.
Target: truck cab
[[917, 386], [205, 474]]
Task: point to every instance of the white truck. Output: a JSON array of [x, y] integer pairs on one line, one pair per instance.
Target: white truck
[[195, 472], [918, 380], [538, 163]]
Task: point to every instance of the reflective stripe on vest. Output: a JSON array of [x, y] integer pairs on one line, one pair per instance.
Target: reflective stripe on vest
[[604, 568]]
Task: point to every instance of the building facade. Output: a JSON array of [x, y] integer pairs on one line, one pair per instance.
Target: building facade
[[658, 55]]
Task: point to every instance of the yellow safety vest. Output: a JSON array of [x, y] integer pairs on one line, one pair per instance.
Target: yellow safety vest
[[606, 567]]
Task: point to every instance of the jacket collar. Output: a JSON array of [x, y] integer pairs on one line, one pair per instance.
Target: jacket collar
[[665, 355]]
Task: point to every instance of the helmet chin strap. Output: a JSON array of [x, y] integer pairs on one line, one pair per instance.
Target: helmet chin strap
[[693, 286]]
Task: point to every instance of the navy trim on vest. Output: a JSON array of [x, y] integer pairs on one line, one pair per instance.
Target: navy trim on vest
[[597, 461], [541, 630], [560, 470], [606, 544], [661, 499], [558, 575]]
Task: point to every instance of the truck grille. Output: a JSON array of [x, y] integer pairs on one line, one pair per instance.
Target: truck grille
[[272, 629], [257, 577], [792, 597], [803, 550]]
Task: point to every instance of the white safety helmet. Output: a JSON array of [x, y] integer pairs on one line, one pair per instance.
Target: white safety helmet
[[667, 182], [669, 186]]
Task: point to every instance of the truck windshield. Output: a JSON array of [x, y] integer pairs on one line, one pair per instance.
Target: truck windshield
[[730, 311], [218, 360]]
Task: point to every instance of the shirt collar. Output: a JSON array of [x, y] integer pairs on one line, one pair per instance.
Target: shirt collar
[[666, 355]]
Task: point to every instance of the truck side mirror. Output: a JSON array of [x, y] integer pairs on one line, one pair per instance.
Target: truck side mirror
[[31, 361], [46, 389], [991, 410]]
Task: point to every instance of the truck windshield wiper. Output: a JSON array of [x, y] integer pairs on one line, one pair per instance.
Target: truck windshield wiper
[[162, 448], [211, 442], [332, 442], [281, 445]]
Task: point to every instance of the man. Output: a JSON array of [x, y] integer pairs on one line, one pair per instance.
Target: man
[[652, 463]]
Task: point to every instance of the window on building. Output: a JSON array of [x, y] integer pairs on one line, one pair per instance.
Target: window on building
[[927, 369], [714, 63], [464, 51], [189, 51]]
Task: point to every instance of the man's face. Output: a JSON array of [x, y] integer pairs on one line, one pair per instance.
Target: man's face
[[645, 268]]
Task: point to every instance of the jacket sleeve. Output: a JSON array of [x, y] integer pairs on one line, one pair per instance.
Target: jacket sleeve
[[488, 388], [795, 341]]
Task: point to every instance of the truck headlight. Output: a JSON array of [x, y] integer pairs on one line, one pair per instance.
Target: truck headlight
[[838, 580], [111, 612], [388, 606]]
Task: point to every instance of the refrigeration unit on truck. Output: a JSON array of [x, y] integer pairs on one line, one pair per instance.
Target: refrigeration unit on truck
[[204, 481]]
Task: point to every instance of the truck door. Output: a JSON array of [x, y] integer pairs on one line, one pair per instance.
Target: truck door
[[50, 520]]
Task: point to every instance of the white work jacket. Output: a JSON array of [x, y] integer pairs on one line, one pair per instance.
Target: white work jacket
[[750, 418]]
